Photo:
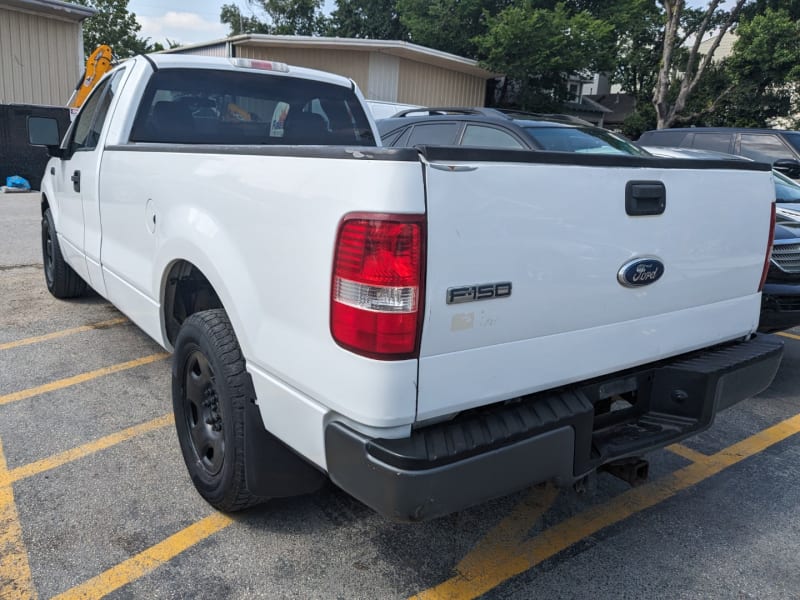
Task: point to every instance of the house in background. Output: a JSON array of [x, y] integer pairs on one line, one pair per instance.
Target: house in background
[[386, 70], [41, 50]]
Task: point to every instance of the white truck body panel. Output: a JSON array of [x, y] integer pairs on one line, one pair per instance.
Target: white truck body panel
[[560, 234]]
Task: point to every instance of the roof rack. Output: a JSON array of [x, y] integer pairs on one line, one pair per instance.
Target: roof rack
[[449, 110]]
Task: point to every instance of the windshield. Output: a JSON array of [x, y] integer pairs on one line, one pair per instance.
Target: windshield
[[786, 190], [585, 140]]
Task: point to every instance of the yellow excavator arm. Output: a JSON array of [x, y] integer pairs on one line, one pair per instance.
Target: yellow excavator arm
[[98, 64]]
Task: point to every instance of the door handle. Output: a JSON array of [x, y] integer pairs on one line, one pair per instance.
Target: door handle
[[645, 198], [76, 181]]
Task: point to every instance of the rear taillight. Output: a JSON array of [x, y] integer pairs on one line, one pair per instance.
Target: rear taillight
[[376, 295], [769, 249]]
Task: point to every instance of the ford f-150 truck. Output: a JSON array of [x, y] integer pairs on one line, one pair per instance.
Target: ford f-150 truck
[[428, 327]]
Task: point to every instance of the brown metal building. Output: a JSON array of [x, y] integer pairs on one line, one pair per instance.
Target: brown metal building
[[41, 50], [388, 70]]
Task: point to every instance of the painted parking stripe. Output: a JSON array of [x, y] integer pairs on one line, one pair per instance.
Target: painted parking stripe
[[83, 377], [509, 562], [143, 563], [15, 572], [687, 453], [46, 464], [63, 333], [788, 335]]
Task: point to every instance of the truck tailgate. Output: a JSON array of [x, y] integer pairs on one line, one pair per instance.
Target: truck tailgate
[[554, 231]]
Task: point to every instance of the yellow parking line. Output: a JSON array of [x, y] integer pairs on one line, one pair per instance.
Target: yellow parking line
[[499, 544], [687, 453], [40, 466], [76, 379], [63, 333], [16, 582], [143, 563], [788, 335], [482, 578]]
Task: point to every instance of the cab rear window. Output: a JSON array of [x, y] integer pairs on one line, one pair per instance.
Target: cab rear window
[[205, 106]]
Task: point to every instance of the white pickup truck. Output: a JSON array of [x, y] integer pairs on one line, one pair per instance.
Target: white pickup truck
[[428, 327]]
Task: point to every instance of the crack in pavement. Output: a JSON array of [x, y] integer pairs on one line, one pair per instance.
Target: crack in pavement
[[13, 267]]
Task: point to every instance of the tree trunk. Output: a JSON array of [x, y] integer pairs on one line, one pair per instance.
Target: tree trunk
[[667, 113]]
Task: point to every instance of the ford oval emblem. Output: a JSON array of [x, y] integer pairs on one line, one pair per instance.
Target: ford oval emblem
[[640, 271]]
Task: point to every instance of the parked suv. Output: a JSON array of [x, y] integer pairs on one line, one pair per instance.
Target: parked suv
[[493, 128], [778, 147]]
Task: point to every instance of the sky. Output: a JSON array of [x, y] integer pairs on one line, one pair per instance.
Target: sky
[[185, 21], [192, 21]]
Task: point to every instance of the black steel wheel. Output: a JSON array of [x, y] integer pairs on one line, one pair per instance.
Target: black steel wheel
[[209, 397], [62, 281]]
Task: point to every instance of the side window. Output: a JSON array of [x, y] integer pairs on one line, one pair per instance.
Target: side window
[[718, 142], [435, 134], [764, 147], [489, 137], [391, 138], [90, 121]]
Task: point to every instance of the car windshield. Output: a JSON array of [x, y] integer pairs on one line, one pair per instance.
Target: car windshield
[[794, 139], [786, 190], [585, 140]]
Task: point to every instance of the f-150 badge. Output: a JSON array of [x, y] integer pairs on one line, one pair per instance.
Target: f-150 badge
[[640, 271], [482, 291]]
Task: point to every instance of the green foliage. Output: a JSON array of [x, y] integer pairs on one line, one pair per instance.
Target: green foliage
[[283, 17], [370, 19], [231, 15], [114, 26], [540, 48], [759, 81], [448, 25]]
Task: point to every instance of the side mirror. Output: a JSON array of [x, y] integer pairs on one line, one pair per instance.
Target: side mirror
[[43, 131], [788, 166]]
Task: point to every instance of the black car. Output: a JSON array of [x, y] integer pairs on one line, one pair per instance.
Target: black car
[[493, 128], [778, 147], [780, 298]]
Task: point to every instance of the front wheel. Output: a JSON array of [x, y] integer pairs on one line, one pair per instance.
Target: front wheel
[[62, 281], [209, 398]]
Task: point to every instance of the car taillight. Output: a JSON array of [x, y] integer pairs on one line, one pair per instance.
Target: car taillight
[[769, 249], [376, 294]]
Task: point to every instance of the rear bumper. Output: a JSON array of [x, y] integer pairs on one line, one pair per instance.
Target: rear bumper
[[780, 307], [558, 435]]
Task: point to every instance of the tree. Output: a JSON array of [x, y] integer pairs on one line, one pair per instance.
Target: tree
[[283, 17], [541, 48], [683, 70], [232, 16], [114, 26], [759, 81], [370, 19], [449, 25]]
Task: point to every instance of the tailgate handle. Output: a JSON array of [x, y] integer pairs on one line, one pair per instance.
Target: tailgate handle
[[645, 198]]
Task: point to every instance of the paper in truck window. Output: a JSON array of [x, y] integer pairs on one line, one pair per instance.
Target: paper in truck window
[[278, 119]]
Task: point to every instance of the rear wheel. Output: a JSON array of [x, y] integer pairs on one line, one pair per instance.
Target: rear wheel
[[62, 281], [209, 398]]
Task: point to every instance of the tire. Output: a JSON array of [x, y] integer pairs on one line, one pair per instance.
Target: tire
[[209, 398], [62, 281]]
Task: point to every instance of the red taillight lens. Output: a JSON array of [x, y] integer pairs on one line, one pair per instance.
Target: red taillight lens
[[376, 294], [769, 249]]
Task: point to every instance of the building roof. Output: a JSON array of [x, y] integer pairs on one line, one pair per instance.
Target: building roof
[[587, 105], [398, 48], [620, 104], [51, 8]]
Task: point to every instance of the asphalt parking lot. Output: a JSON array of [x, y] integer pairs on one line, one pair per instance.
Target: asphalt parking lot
[[95, 500]]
